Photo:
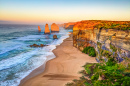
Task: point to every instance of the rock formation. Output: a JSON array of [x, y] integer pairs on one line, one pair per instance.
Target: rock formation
[[108, 37], [35, 45], [55, 37], [39, 29], [54, 28], [47, 31]]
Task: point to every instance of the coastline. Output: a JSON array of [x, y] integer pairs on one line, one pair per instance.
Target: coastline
[[60, 70], [35, 72], [40, 69]]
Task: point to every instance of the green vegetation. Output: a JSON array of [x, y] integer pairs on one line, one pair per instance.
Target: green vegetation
[[106, 53], [104, 74], [114, 25], [98, 43], [109, 72], [114, 49], [90, 50]]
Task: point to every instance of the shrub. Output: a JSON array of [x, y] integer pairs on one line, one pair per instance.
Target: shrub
[[113, 25], [111, 74], [90, 50], [114, 49], [105, 74]]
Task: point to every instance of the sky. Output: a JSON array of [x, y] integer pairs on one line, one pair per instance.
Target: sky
[[61, 11]]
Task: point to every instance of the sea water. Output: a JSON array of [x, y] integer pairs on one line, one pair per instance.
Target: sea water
[[17, 59]]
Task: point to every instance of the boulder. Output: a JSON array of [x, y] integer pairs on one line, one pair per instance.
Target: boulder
[[54, 28], [35, 45], [47, 31], [39, 29], [42, 45], [55, 37]]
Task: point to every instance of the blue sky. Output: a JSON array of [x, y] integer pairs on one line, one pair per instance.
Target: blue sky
[[42, 11]]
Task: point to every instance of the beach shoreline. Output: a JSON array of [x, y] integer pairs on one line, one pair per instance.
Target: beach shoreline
[[36, 71], [60, 70], [40, 69]]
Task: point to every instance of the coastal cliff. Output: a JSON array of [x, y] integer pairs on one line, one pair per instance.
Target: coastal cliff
[[109, 42], [99, 35]]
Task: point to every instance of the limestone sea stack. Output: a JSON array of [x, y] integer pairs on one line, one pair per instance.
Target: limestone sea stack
[[47, 31], [55, 37], [54, 28], [39, 29]]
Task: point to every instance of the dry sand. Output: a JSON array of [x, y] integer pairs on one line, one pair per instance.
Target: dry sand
[[62, 69]]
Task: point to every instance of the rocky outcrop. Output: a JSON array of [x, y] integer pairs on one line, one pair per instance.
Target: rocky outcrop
[[105, 41], [55, 37], [39, 29], [54, 28], [35, 45], [47, 31]]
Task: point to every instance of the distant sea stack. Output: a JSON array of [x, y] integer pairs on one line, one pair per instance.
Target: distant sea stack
[[54, 28], [47, 31], [39, 29]]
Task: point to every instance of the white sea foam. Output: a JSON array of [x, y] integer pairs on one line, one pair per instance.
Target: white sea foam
[[49, 49], [8, 46], [36, 62], [10, 62], [31, 37]]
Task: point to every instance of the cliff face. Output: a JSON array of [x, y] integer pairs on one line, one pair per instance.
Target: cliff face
[[103, 40], [39, 29], [84, 28], [47, 31], [54, 27]]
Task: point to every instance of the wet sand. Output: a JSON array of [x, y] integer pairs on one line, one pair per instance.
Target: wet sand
[[60, 70]]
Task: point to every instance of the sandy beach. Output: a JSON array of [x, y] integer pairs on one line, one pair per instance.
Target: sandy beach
[[62, 69]]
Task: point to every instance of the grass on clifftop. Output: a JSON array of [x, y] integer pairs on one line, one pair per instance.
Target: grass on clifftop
[[114, 25]]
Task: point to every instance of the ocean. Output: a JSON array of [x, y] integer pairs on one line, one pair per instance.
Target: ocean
[[17, 59]]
